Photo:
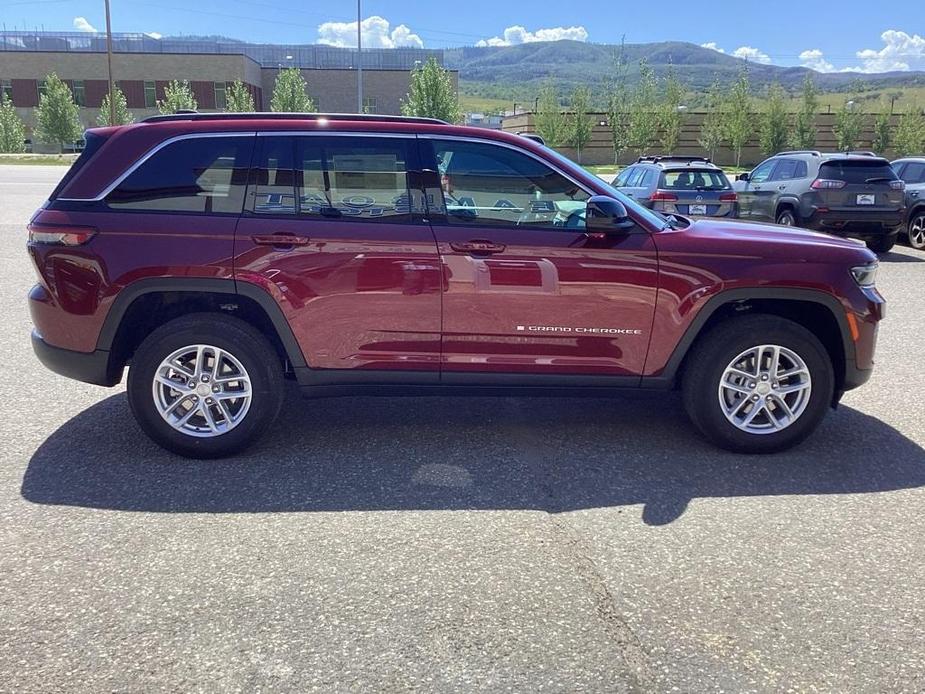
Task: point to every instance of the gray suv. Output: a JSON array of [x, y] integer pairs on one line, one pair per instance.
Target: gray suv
[[912, 171], [690, 186], [856, 194]]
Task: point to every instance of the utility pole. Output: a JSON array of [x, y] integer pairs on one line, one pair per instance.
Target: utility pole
[[112, 97], [359, 59]]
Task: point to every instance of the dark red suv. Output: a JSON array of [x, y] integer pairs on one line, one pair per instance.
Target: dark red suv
[[218, 254]]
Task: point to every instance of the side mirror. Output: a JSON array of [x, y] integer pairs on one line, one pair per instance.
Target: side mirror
[[742, 177], [606, 215]]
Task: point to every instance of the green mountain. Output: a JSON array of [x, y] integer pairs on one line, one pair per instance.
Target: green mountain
[[518, 72]]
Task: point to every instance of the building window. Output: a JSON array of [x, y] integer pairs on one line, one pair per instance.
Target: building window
[[150, 94], [370, 104], [6, 89], [79, 95], [41, 89], [220, 101]]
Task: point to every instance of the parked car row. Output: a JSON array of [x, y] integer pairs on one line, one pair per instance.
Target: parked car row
[[853, 194]]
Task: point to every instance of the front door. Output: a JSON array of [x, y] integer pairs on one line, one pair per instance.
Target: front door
[[335, 232], [526, 289], [755, 191]]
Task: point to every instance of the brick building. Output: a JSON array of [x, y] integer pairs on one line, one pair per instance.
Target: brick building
[[143, 66]]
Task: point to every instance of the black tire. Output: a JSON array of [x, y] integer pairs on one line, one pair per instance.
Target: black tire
[[714, 351], [239, 339], [915, 231], [787, 217], [882, 244]]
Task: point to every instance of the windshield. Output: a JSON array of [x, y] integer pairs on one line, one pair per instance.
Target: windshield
[[657, 220]]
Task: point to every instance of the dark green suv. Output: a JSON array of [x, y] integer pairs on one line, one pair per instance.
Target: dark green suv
[[855, 194]]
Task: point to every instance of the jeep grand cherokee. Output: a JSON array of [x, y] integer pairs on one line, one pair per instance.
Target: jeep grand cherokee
[[216, 255]]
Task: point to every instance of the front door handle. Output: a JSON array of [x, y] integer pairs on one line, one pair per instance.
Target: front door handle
[[279, 240], [782, 187], [478, 246]]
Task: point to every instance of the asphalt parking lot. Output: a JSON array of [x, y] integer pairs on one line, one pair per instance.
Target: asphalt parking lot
[[449, 544]]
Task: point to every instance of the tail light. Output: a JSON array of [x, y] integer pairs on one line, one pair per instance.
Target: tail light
[[898, 185], [728, 197], [661, 196], [827, 184], [60, 235]]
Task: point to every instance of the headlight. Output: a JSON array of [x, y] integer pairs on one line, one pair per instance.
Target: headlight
[[866, 275]]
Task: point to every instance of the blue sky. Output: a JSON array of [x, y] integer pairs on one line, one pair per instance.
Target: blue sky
[[853, 34]]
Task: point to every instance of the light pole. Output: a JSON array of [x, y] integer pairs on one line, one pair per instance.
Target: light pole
[[112, 97], [359, 60]]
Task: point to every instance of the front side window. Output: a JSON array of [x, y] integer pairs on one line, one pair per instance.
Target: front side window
[[358, 178], [193, 175], [491, 185], [624, 176], [763, 172]]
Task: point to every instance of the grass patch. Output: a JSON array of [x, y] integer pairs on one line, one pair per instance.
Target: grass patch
[[38, 159]]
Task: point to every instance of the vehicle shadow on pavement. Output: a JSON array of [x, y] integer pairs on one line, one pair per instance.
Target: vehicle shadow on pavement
[[437, 453], [903, 255]]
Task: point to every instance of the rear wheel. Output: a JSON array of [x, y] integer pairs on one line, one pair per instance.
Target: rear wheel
[[916, 230], [787, 217], [882, 244], [205, 386], [758, 384]]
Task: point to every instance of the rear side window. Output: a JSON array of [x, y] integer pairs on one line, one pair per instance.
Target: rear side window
[[333, 177], [92, 143], [686, 179], [914, 173], [852, 171], [206, 175]]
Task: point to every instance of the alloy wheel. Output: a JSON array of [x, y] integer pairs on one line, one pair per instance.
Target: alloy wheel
[[202, 390], [765, 389], [917, 231]]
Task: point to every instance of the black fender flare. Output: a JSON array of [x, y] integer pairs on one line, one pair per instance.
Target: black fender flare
[[204, 285], [733, 296], [788, 201]]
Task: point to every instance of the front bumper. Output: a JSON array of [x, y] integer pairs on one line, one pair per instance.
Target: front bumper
[[89, 367]]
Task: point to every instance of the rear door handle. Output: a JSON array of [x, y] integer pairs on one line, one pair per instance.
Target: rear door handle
[[478, 246], [279, 240]]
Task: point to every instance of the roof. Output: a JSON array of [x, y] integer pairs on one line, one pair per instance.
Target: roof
[[184, 115]]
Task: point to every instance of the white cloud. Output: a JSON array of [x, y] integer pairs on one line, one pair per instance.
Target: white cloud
[[515, 35], [81, 24], [901, 51], [712, 46], [814, 59], [751, 54], [377, 33]]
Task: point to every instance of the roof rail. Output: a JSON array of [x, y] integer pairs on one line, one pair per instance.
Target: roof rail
[[189, 115], [655, 158], [862, 153], [812, 152], [533, 136]]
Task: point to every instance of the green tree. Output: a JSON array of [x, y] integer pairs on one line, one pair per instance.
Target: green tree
[[909, 138], [580, 125], [617, 116], [238, 98], [549, 120], [644, 116], [12, 129], [882, 130], [712, 134], [57, 118], [849, 122], [670, 117], [178, 95], [737, 118], [804, 127], [774, 126], [123, 116], [290, 93], [432, 94]]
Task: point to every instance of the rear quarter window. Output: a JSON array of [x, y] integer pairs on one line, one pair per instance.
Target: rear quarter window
[[206, 175], [851, 171]]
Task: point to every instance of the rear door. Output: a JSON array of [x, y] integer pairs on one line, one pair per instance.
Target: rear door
[[781, 182], [333, 228], [526, 290]]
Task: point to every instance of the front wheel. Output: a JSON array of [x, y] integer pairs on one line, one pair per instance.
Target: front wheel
[[758, 384], [205, 386], [916, 230]]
